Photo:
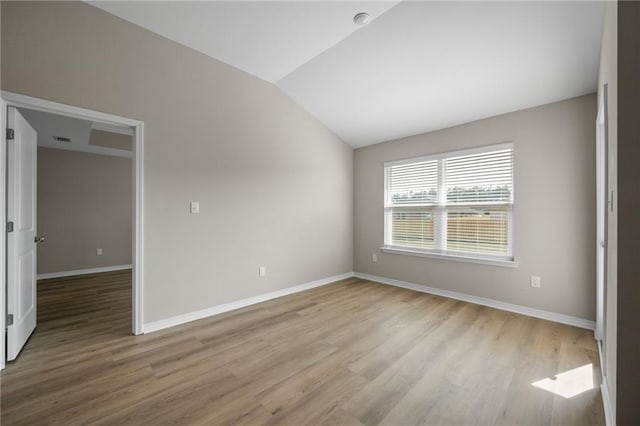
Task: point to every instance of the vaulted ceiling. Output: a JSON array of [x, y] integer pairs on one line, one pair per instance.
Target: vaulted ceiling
[[417, 67]]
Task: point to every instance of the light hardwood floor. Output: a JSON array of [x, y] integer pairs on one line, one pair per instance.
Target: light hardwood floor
[[350, 353]]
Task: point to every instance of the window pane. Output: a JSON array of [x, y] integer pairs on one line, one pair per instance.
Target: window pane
[[485, 178], [412, 184], [464, 197], [412, 228], [478, 230]]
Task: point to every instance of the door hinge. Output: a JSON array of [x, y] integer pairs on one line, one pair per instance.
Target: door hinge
[[10, 134], [9, 319], [9, 226]]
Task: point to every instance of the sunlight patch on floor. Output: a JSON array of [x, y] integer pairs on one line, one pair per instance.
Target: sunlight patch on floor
[[570, 383]]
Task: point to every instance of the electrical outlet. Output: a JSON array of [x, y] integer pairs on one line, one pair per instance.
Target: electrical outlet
[[99, 252], [262, 271], [374, 258], [535, 281]]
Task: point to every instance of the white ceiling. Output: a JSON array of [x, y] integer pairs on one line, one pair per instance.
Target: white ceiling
[[426, 66], [47, 126], [264, 38], [418, 67]]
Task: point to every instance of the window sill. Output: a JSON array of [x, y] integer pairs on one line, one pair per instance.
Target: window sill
[[479, 260]]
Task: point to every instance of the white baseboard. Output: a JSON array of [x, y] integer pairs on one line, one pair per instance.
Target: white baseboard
[[532, 312], [82, 272], [215, 310]]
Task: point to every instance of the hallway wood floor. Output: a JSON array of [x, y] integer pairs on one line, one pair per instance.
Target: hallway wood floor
[[350, 353]]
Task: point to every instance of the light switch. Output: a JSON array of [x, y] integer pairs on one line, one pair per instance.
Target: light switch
[[195, 207], [262, 271]]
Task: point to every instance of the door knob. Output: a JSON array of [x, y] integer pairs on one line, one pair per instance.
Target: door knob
[[39, 239]]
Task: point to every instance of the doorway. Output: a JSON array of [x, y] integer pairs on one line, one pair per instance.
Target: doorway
[[12, 286]]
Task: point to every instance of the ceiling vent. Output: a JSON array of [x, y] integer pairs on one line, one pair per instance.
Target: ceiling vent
[[61, 139]]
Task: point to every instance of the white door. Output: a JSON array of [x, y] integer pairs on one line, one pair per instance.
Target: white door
[[21, 241]]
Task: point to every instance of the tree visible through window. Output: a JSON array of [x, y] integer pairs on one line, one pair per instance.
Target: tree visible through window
[[459, 203]]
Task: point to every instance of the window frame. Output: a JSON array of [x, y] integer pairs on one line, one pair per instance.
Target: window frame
[[440, 210]]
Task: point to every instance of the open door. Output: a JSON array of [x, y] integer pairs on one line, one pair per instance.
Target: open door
[[21, 232]]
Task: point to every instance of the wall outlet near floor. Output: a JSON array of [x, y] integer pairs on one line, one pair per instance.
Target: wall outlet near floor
[[535, 281], [99, 252], [374, 257], [262, 271]]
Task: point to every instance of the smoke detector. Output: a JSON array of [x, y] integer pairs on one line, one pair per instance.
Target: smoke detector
[[362, 19]]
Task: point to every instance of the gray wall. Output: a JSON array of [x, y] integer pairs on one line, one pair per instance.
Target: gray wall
[[554, 165], [608, 75], [275, 186], [628, 328], [84, 203], [111, 140]]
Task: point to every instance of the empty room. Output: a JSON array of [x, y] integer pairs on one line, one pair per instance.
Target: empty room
[[320, 212]]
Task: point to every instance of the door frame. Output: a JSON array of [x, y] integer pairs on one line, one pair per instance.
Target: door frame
[[602, 212], [9, 99]]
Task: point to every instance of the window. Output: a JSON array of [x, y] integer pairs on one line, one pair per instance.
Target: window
[[457, 204]]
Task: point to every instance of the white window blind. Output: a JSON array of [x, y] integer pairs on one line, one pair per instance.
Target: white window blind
[[459, 203], [412, 195]]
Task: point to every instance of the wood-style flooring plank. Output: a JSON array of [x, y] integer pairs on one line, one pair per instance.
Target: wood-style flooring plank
[[350, 353]]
